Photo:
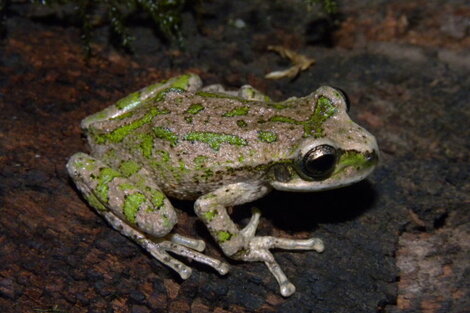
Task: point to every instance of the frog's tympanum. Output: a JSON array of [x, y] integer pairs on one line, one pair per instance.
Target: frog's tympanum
[[220, 148]]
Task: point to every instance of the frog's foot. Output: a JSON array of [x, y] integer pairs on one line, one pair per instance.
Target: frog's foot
[[173, 243], [257, 249]]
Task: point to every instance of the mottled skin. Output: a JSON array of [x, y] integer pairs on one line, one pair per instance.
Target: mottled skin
[[220, 148]]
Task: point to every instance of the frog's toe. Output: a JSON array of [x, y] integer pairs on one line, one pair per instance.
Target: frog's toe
[[221, 267], [195, 244], [287, 289]]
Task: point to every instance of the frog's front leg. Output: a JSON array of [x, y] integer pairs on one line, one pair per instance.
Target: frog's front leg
[[137, 208], [243, 244]]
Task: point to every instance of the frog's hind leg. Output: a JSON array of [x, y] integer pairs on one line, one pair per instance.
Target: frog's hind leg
[[186, 82], [244, 244], [246, 92], [138, 209]]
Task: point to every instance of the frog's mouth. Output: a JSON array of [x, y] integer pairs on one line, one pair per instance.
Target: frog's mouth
[[349, 168]]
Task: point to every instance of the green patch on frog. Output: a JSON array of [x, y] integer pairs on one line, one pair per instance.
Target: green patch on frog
[[132, 205], [194, 108], [209, 215], [352, 158], [200, 161], [166, 134], [241, 123], [146, 145], [120, 133], [181, 81], [89, 165], [128, 168], [267, 136], [162, 94], [94, 202], [126, 186], [324, 109], [223, 236], [157, 199], [215, 140], [106, 175], [129, 102], [164, 155], [238, 111]]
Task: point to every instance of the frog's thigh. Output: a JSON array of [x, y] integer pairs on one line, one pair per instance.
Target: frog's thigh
[[107, 189], [187, 82]]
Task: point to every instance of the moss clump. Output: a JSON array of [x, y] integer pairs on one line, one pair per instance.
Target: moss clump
[[329, 6], [166, 14]]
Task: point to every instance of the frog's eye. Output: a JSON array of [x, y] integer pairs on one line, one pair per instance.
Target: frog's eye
[[345, 97], [319, 162]]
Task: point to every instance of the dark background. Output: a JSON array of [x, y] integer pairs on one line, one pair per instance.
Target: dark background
[[397, 242]]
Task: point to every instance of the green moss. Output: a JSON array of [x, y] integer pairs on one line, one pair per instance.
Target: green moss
[[223, 236], [128, 168], [195, 108], [267, 136], [329, 6], [214, 140], [209, 215], [166, 134], [132, 205], [106, 175], [120, 133], [239, 111]]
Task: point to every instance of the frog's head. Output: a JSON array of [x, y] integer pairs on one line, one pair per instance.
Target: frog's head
[[334, 152]]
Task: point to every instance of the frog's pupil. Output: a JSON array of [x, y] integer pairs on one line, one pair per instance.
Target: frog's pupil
[[320, 161]]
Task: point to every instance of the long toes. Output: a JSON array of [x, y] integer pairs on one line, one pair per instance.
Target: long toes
[[317, 244], [223, 268], [287, 289], [185, 273]]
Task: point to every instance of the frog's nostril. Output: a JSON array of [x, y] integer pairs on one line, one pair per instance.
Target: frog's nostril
[[372, 157]]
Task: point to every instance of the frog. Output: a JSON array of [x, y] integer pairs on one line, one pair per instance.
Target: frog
[[220, 148]]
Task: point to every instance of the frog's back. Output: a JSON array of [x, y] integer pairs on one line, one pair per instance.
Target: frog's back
[[196, 142]]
